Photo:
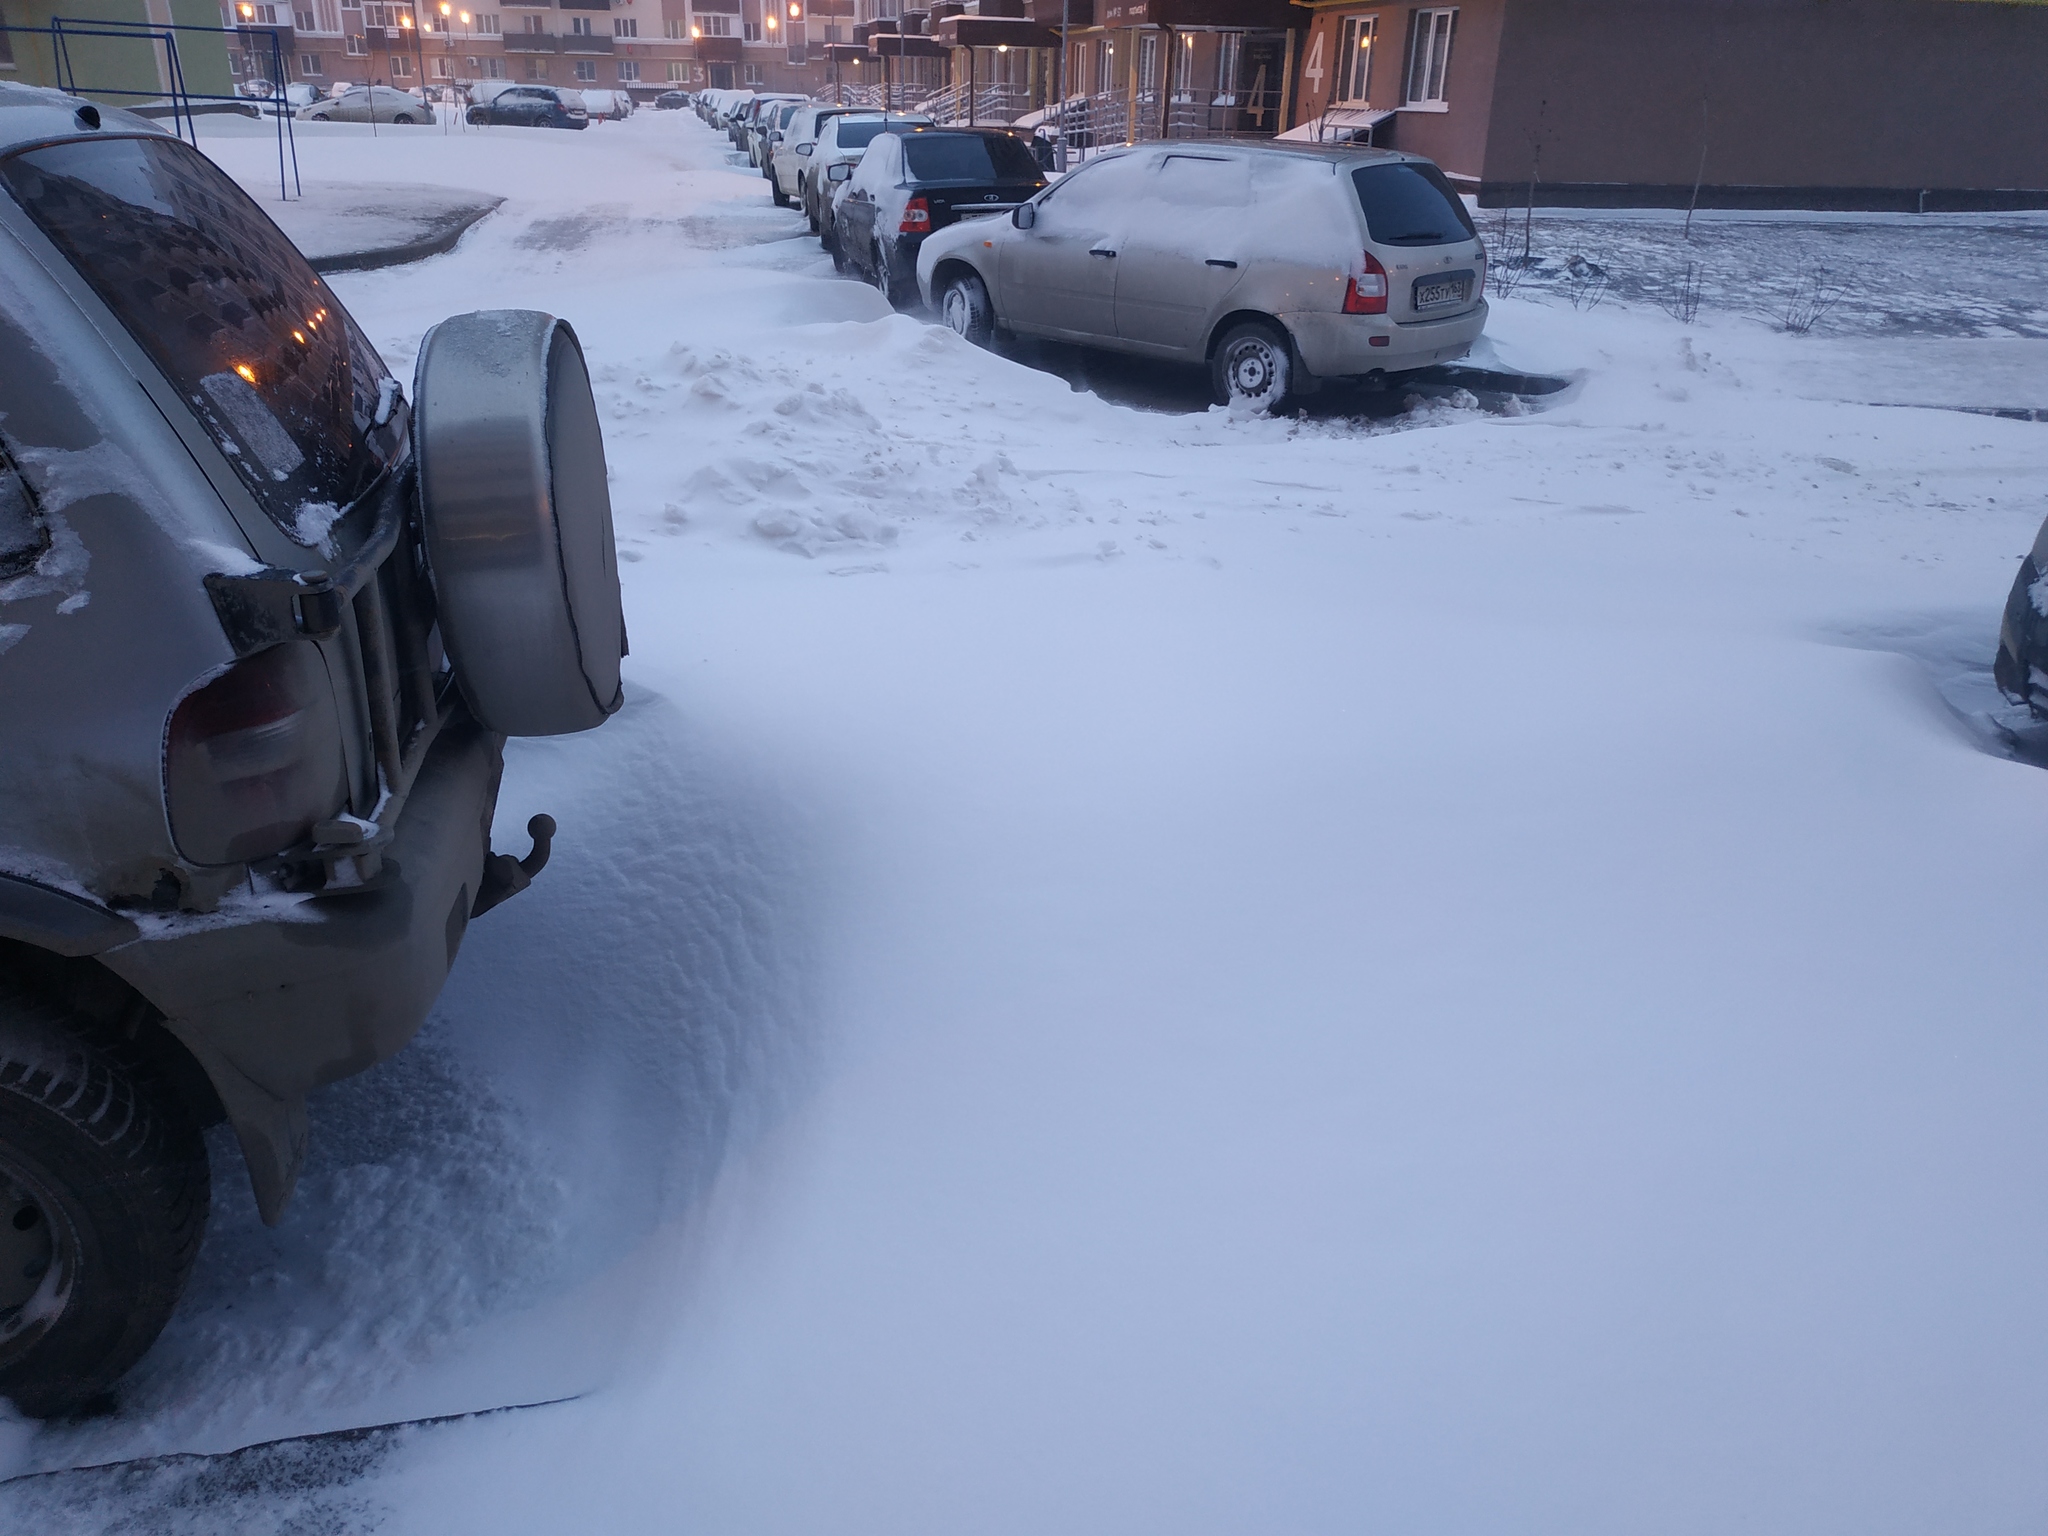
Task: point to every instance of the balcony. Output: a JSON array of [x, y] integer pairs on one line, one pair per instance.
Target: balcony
[[529, 42], [575, 44]]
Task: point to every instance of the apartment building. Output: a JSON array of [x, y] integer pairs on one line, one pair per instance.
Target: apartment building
[[642, 46], [1904, 105], [114, 69]]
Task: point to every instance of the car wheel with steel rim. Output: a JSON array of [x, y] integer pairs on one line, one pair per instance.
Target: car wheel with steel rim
[[103, 1202], [966, 311], [1252, 367]]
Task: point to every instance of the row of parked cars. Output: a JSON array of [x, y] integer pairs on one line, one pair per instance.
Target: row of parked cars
[[523, 104], [1278, 266]]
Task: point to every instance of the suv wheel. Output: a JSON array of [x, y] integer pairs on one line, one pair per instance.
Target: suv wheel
[[965, 309], [1253, 366], [478, 115], [103, 1201]]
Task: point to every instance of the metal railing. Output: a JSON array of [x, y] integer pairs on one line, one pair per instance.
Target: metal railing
[[996, 104], [176, 101]]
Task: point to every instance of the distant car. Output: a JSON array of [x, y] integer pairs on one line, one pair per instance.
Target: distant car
[[769, 124], [368, 103], [671, 101], [1277, 265], [533, 106], [610, 106], [843, 137], [769, 117], [914, 181]]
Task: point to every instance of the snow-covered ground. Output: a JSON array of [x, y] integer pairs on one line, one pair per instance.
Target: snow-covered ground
[[1141, 971]]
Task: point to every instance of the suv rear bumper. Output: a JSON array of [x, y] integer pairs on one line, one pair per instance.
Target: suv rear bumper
[[1337, 346], [335, 983]]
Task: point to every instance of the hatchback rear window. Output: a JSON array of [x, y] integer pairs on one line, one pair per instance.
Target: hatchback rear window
[[225, 306], [858, 135], [1410, 203], [968, 157]]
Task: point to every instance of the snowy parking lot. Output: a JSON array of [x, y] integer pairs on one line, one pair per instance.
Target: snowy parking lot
[[1461, 968]]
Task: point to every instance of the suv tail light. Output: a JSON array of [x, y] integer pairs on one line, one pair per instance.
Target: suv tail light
[[1366, 294], [254, 758], [917, 218]]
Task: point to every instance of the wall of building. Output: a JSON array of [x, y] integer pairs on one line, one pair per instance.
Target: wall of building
[[117, 70], [1454, 132], [1808, 103]]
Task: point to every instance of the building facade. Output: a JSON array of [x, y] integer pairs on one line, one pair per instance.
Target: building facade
[[1851, 104], [115, 69]]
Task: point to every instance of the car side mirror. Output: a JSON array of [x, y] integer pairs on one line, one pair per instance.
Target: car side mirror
[[840, 172], [1024, 215], [805, 149]]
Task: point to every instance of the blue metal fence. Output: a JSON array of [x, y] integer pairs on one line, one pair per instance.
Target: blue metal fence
[[177, 101]]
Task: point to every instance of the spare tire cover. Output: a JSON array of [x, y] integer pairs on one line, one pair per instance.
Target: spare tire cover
[[518, 521]]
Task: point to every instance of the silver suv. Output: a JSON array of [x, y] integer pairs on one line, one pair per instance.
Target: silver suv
[[264, 629], [1277, 265]]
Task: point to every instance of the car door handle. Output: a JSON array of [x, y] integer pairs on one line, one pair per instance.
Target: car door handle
[[1217, 261], [1099, 251]]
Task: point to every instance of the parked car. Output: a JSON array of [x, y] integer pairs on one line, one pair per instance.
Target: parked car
[[533, 106], [267, 628], [766, 133], [2021, 665], [790, 157], [842, 139], [671, 101], [1276, 265], [733, 115], [911, 182], [606, 105], [368, 103]]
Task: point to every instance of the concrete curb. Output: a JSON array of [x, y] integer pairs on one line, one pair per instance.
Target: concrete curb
[[447, 231]]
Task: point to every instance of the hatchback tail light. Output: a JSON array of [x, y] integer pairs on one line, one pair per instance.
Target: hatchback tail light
[[254, 758], [917, 218], [1366, 294]]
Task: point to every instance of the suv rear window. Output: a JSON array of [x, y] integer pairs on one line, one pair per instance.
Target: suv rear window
[[1410, 203], [225, 306], [968, 157]]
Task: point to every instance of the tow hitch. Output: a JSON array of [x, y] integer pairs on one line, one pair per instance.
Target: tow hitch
[[505, 876]]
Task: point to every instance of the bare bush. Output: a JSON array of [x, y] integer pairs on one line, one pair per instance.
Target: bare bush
[[1682, 300], [1586, 283], [1816, 293]]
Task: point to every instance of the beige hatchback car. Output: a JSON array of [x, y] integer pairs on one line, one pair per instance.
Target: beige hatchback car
[[1278, 265]]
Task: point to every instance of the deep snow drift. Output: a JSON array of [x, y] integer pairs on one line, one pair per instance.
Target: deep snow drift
[[1141, 972]]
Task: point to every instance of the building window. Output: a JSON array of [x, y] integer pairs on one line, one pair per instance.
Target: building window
[[487, 24], [494, 69], [533, 23], [678, 73], [536, 69], [303, 20], [1105, 66], [1429, 56], [714, 24], [579, 26], [356, 47], [444, 69], [625, 26], [1354, 60], [1229, 51], [629, 70], [1148, 66], [309, 64], [401, 67], [586, 70], [750, 31], [675, 32], [750, 74]]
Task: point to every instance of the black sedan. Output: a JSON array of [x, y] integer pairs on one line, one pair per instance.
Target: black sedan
[[533, 106], [912, 181], [671, 101]]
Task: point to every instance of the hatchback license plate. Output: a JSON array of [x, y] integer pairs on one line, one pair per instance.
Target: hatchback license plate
[[1443, 290]]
